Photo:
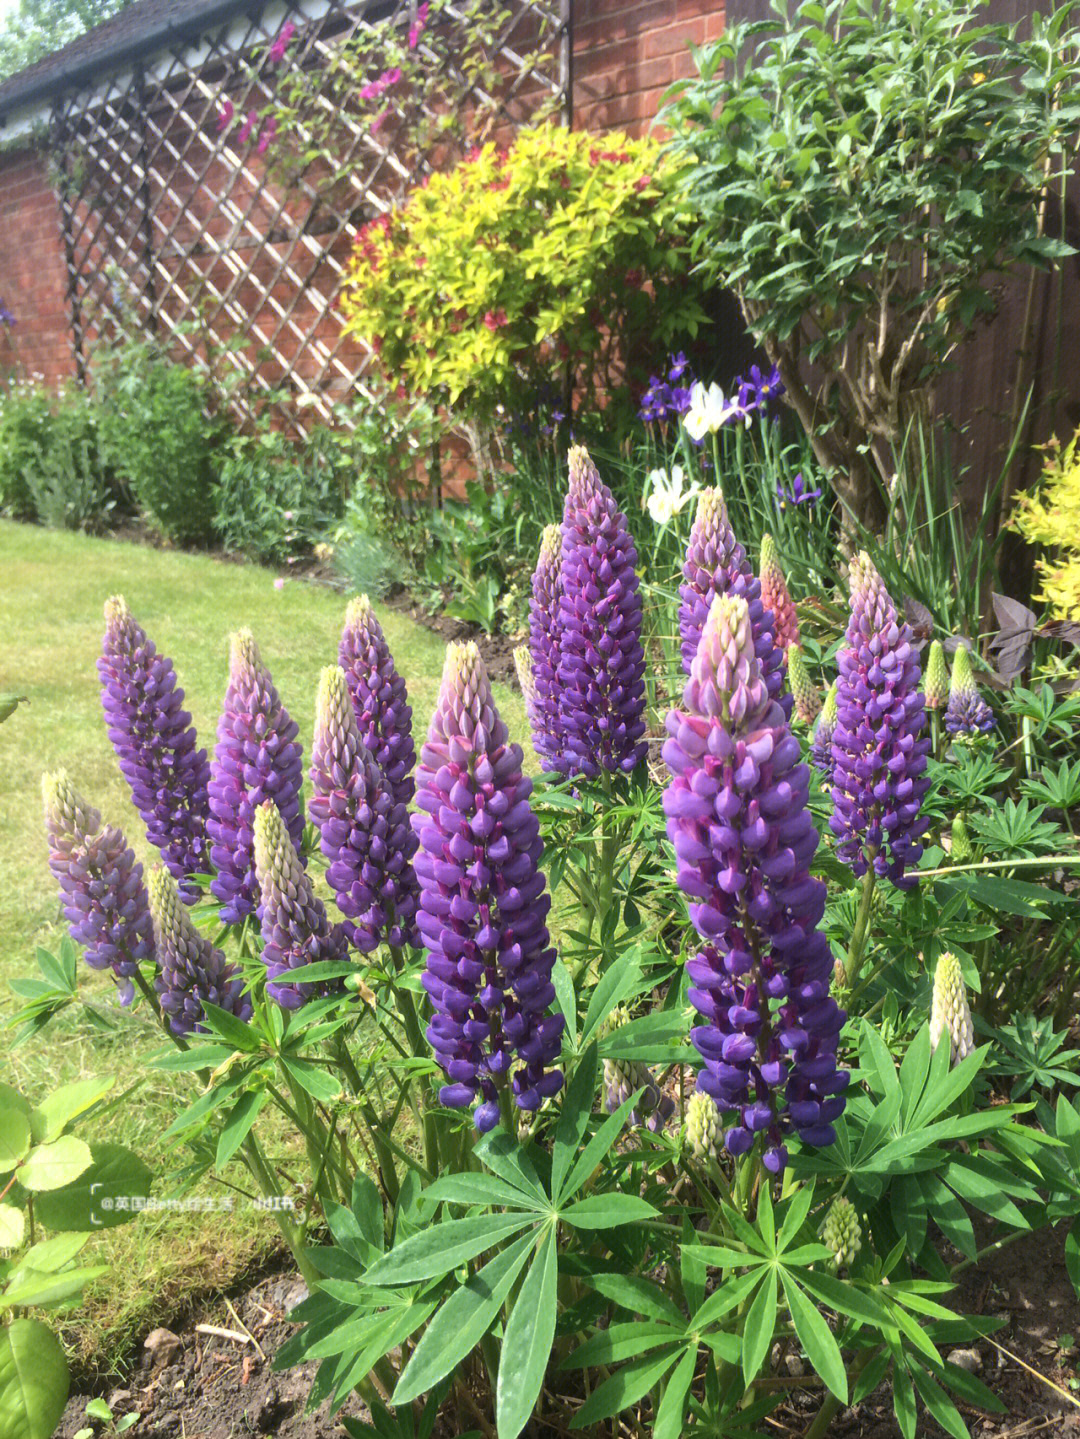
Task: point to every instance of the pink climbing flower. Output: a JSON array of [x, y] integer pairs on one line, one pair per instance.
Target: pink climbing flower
[[225, 116], [250, 121], [269, 130], [378, 120], [281, 42]]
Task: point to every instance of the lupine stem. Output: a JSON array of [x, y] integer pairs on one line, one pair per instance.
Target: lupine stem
[[857, 948], [267, 1182]]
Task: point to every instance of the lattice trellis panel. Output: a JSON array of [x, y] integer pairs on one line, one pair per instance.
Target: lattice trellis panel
[[175, 226]]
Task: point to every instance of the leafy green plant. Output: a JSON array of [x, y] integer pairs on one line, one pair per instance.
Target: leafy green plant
[[856, 170], [51, 1178], [54, 465], [275, 499]]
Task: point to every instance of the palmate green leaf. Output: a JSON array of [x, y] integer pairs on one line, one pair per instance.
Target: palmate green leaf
[[903, 1398], [938, 1404], [203, 1056], [526, 1345], [482, 1189], [760, 1328], [240, 1035], [948, 1214], [1072, 1254], [573, 1119], [319, 1081], [442, 1247], [816, 1338], [506, 1158], [33, 1380], [366, 1206], [605, 1211], [214, 1098], [238, 1125], [621, 1390], [845, 1297], [639, 1296], [723, 1300], [612, 989], [794, 1215], [602, 1141], [621, 1341], [669, 1416], [462, 1322]]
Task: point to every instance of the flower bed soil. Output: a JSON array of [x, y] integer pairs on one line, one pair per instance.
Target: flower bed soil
[[194, 1385]]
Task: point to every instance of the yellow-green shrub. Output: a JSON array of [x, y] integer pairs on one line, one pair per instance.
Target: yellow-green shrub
[[1050, 516], [492, 277]]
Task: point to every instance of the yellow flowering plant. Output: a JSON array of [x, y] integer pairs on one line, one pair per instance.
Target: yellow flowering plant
[[563, 252], [1050, 516]]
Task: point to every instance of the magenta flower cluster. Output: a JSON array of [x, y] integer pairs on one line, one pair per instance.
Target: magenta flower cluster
[[738, 820], [878, 750], [483, 904], [156, 745], [585, 635]]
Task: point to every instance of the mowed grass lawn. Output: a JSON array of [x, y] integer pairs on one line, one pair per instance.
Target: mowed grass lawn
[[53, 586]]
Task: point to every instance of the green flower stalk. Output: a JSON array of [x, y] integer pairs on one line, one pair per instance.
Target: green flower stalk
[[704, 1133], [936, 679], [950, 1015], [962, 852], [803, 690], [841, 1233]]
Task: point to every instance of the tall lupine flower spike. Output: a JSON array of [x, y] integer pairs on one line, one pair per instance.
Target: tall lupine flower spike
[[950, 1016], [101, 886], [526, 683], [365, 832], [821, 745], [878, 753], [841, 1233], [156, 745], [967, 713], [803, 690], [936, 678], [962, 852], [483, 903], [295, 929], [379, 698], [190, 969], [716, 564], [544, 648], [775, 596], [601, 672], [256, 759], [738, 820]]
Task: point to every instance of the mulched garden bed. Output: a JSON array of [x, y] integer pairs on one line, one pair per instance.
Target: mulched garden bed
[[190, 1384]]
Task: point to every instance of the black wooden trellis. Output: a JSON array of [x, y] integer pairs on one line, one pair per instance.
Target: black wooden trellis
[[173, 227]]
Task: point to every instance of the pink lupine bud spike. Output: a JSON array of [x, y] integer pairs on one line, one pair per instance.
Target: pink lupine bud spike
[[803, 690], [776, 597], [365, 831]]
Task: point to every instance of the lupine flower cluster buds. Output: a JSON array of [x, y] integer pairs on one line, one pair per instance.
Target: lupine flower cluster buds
[[821, 745], [878, 753], [737, 817], [950, 1016], [776, 596], [704, 1133], [101, 885], [155, 744], [190, 969], [601, 668], [624, 1077], [804, 693], [483, 903], [380, 702], [526, 683], [256, 759], [967, 713], [841, 1233], [544, 649], [936, 678], [295, 929], [961, 851], [365, 831], [716, 564]]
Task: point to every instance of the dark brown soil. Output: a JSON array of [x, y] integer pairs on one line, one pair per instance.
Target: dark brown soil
[[212, 1387], [497, 650]]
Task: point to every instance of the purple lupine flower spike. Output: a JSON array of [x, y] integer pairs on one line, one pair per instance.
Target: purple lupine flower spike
[[365, 832], [101, 885], [716, 564], [544, 648], [256, 759], [190, 969], [601, 672], [295, 929], [156, 745], [737, 817], [483, 903], [967, 714], [380, 702], [878, 755]]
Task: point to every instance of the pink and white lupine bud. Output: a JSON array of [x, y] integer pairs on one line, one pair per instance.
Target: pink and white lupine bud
[[776, 597], [949, 1015], [803, 690]]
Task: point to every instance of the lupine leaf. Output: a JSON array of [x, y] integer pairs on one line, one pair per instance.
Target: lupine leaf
[[816, 1338], [443, 1247], [238, 1125], [621, 1390], [526, 1345], [669, 1416], [639, 1296], [601, 1142], [573, 1119], [760, 1327], [621, 1341], [240, 1035], [605, 1211]]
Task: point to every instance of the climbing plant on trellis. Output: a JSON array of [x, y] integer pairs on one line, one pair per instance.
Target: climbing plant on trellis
[[181, 220]]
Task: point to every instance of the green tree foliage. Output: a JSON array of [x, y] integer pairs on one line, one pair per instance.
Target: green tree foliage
[[35, 28]]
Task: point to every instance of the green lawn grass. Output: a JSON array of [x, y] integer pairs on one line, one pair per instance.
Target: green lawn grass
[[53, 586]]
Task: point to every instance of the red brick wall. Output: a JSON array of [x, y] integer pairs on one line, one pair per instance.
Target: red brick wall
[[626, 53], [33, 279]]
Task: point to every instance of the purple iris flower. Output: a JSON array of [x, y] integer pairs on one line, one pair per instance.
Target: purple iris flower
[[799, 494]]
